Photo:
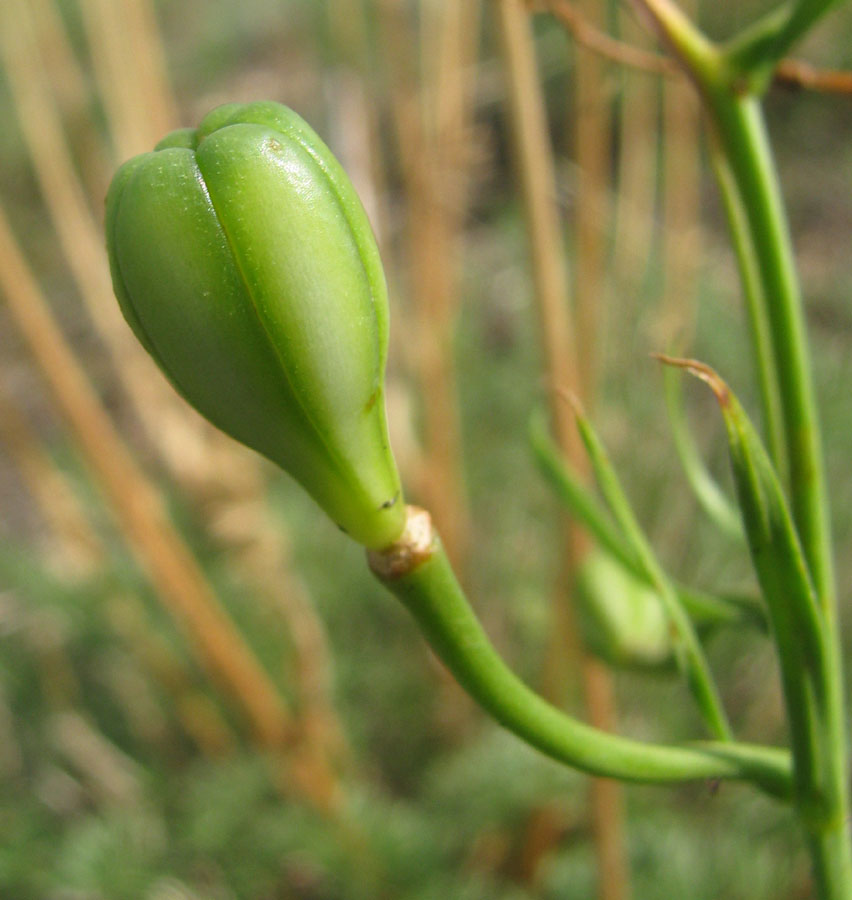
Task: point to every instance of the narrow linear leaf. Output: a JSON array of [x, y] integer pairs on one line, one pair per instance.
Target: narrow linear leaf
[[688, 650], [705, 609], [710, 496], [779, 562], [579, 500], [755, 305], [773, 541]]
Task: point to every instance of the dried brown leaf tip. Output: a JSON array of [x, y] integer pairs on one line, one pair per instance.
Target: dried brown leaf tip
[[571, 398], [700, 370]]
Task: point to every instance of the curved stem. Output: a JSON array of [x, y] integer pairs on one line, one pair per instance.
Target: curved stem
[[416, 570]]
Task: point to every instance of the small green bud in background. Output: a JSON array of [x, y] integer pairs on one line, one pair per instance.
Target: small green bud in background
[[623, 620], [244, 262]]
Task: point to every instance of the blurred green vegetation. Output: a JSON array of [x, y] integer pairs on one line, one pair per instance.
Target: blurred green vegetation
[[107, 793]]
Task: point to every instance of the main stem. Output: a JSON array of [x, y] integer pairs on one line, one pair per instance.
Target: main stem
[[824, 805], [727, 83]]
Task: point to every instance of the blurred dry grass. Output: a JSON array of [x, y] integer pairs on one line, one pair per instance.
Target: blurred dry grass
[[412, 98], [127, 60]]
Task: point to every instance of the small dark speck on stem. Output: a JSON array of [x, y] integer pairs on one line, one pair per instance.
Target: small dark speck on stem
[[389, 503]]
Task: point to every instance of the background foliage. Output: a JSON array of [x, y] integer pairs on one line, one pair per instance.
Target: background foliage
[[126, 770]]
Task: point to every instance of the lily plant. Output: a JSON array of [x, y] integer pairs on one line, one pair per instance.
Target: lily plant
[[245, 264]]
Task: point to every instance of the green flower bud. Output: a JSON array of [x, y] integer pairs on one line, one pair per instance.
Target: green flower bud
[[623, 621], [244, 262]]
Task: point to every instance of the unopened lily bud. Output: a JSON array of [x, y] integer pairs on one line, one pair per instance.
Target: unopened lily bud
[[245, 264]]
